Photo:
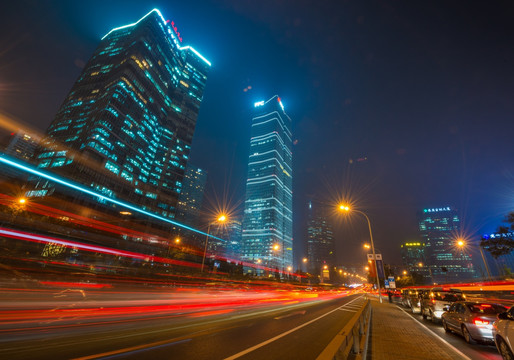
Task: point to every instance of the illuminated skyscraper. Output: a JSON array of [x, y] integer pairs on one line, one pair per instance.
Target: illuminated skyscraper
[[445, 261], [191, 197], [320, 240], [268, 217], [125, 129]]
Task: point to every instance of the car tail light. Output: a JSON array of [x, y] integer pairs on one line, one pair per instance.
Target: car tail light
[[479, 321], [433, 301]]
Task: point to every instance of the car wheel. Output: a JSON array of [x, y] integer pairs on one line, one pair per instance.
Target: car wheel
[[423, 314], [467, 335], [445, 326], [505, 352]]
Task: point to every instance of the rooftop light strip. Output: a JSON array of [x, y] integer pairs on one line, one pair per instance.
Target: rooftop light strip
[[171, 33], [29, 169]]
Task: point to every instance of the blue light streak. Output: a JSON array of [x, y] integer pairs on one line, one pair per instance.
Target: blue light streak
[[7, 160]]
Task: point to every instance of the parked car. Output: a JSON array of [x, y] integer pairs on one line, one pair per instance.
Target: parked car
[[473, 320], [436, 301], [503, 333]]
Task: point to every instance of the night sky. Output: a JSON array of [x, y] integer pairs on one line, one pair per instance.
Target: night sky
[[396, 106]]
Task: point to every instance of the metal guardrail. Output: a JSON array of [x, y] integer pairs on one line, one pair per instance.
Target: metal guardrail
[[352, 341]]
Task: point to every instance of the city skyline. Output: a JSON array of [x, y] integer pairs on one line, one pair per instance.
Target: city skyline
[[424, 141]]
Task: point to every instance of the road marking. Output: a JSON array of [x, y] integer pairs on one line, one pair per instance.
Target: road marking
[[264, 343], [302, 312], [437, 336], [348, 310], [135, 348]]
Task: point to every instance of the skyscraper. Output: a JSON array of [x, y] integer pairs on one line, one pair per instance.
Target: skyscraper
[[413, 258], [268, 217], [125, 129], [320, 240], [446, 262], [191, 197]]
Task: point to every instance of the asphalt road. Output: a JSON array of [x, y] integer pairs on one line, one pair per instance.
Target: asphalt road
[[273, 326], [476, 352]]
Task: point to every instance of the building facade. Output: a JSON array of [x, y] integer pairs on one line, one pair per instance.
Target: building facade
[[445, 261], [126, 127], [320, 240], [414, 260], [191, 197], [267, 237]]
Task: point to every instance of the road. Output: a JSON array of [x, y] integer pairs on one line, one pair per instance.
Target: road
[[475, 352], [197, 325]]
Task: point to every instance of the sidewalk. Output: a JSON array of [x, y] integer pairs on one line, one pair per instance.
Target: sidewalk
[[396, 336]]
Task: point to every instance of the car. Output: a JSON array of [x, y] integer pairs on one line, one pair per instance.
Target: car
[[411, 299], [436, 301], [473, 320], [503, 333]]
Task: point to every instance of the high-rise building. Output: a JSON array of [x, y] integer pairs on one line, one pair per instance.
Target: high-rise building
[[445, 261], [125, 129], [230, 232], [268, 217], [413, 254], [22, 145], [414, 261], [320, 240], [191, 197]]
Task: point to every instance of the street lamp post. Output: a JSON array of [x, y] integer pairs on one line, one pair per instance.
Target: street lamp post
[[347, 208], [220, 219]]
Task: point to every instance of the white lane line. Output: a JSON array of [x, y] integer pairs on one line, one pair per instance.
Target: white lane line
[[264, 343], [348, 310], [464, 356]]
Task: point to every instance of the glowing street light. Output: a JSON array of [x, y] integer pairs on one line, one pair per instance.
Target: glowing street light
[[346, 208], [177, 240], [367, 246], [462, 244], [404, 272], [221, 219]]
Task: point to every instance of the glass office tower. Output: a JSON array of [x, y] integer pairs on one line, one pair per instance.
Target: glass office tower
[[320, 240], [126, 127], [267, 237], [446, 262]]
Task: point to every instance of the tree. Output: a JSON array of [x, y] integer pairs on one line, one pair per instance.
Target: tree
[[502, 244]]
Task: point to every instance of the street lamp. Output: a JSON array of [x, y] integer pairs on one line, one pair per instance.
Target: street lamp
[[461, 243], [347, 209], [221, 219]]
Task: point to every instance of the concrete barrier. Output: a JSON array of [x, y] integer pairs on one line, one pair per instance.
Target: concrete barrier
[[352, 341]]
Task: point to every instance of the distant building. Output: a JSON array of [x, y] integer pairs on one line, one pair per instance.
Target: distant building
[[320, 240], [126, 127], [22, 145], [230, 231], [446, 262], [268, 217], [414, 260], [191, 197]]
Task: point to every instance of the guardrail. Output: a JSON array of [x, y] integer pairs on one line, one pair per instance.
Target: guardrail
[[352, 341]]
